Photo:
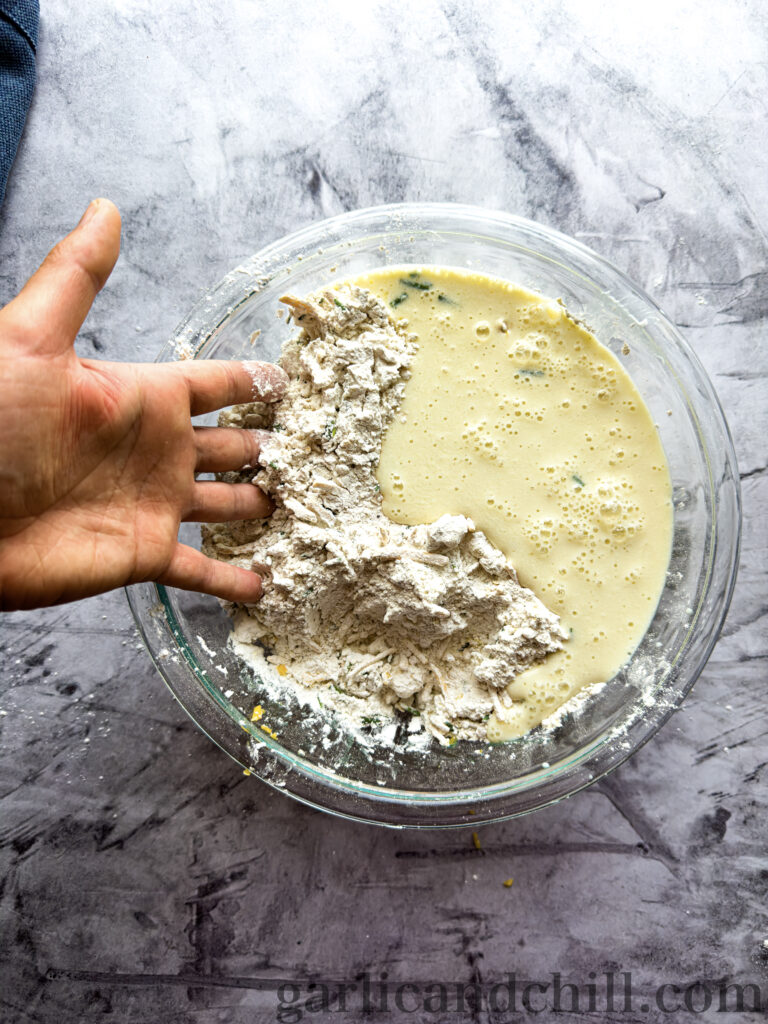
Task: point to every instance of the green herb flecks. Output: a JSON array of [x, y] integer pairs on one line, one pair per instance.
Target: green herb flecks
[[345, 756], [577, 480], [442, 297], [531, 373], [410, 710], [339, 304], [411, 282], [273, 465], [278, 427], [398, 299], [330, 430], [371, 720]]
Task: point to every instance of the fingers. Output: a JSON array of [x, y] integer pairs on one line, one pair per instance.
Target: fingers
[[220, 449], [51, 307], [191, 570], [214, 383], [226, 503]]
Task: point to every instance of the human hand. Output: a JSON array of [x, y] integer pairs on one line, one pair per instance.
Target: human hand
[[98, 459]]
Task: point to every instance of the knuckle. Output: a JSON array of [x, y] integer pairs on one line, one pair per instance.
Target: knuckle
[[58, 255], [77, 257], [206, 574], [16, 329], [229, 379], [250, 453]]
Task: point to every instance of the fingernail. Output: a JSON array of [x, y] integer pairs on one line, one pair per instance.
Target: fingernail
[[263, 570], [258, 437], [260, 434], [89, 212], [269, 381]]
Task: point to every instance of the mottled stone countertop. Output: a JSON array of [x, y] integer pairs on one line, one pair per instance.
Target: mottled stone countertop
[[143, 877]]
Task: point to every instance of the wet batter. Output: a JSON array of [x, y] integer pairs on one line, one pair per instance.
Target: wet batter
[[517, 417]]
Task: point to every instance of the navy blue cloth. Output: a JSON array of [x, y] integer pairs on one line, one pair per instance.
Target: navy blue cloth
[[18, 43]]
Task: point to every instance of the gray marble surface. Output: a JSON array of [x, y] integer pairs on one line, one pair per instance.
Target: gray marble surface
[[143, 877]]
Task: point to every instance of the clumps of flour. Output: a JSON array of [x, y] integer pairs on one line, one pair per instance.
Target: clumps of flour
[[429, 620]]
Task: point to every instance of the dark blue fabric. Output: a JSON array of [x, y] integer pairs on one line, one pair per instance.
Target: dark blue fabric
[[18, 42]]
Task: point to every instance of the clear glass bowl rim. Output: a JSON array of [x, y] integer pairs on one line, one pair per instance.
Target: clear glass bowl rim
[[504, 800]]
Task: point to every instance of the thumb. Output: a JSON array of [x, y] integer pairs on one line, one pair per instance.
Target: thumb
[[51, 307]]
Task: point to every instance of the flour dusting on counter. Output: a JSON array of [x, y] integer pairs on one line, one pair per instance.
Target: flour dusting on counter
[[378, 617]]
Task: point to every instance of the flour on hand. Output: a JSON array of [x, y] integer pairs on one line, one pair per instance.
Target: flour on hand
[[426, 620]]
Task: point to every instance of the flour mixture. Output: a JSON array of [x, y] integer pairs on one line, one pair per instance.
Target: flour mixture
[[379, 617]]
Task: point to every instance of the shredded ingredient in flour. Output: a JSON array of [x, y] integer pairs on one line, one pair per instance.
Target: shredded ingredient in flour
[[428, 620]]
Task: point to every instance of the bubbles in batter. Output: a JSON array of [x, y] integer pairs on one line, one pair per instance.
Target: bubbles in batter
[[539, 435]]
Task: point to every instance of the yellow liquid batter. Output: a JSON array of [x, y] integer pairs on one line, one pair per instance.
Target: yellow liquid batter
[[517, 417]]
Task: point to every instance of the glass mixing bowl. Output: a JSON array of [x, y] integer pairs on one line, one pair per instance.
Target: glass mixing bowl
[[391, 783]]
